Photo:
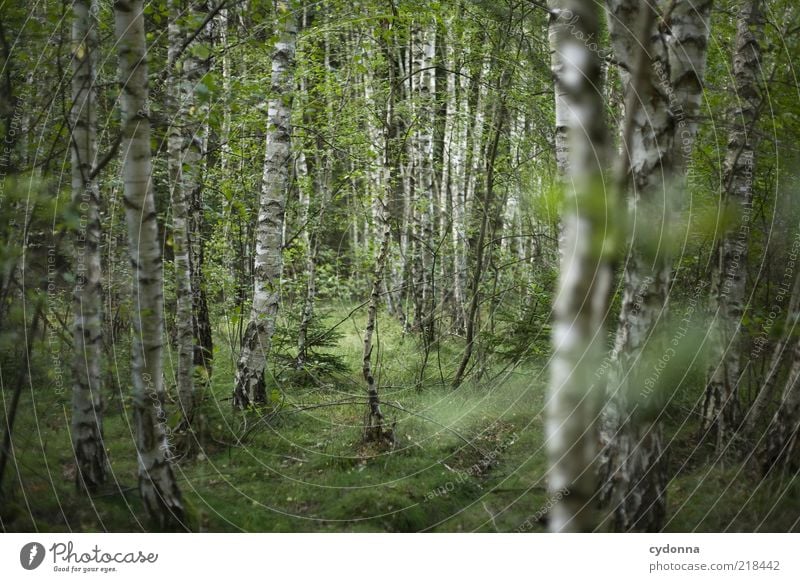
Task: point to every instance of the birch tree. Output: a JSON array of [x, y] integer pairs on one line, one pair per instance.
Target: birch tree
[[385, 186], [157, 484], [87, 402], [664, 105], [461, 143], [374, 424], [422, 81], [480, 164], [632, 469], [250, 386], [758, 408], [180, 220], [195, 130], [308, 184], [782, 450], [558, 24], [448, 186], [573, 401], [720, 412]]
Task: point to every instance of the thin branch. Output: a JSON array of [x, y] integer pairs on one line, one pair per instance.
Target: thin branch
[[110, 155]]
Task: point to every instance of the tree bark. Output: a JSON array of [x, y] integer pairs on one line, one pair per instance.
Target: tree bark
[[373, 427], [87, 401], [657, 94], [250, 387], [195, 132], [480, 248], [461, 143], [305, 188], [573, 401], [558, 26], [386, 183], [320, 183], [423, 90], [721, 408], [180, 219], [781, 452], [157, 484], [759, 406]]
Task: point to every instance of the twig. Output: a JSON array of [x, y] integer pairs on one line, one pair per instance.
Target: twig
[[491, 516]]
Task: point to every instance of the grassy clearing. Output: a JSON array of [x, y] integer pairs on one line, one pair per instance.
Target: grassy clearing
[[470, 459]]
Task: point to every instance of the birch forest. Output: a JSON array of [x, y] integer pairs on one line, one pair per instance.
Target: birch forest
[[399, 266]]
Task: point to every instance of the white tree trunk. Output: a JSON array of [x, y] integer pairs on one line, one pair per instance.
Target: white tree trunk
[[373, 428], [662, 96], [633, 466], [765, 393], [384, 186], [305, 187], [689, 29], [321, 185], [447, 185], [729, 277], [573, 401], [157, 484], [427, 182], [252, 365], [87, 402], [420, 198], [460, 146], [180, 219], [782, 451], [558, 25]]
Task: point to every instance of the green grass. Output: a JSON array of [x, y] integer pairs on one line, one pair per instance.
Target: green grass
[[306, 469]]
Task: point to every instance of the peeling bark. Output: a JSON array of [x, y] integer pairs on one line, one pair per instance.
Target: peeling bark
[[633, 462], [250, 387], [157, 484]]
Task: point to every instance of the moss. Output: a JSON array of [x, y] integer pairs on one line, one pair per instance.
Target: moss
[[305, 469]]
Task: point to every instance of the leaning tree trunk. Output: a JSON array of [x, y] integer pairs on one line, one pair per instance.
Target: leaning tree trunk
[[662, 98], [478, 162], [573, 402], [720, 413], [250, 384], [87, 403], [157, 484], [180, 221]]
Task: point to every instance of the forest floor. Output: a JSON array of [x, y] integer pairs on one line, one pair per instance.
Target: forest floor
[[470, 459]]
